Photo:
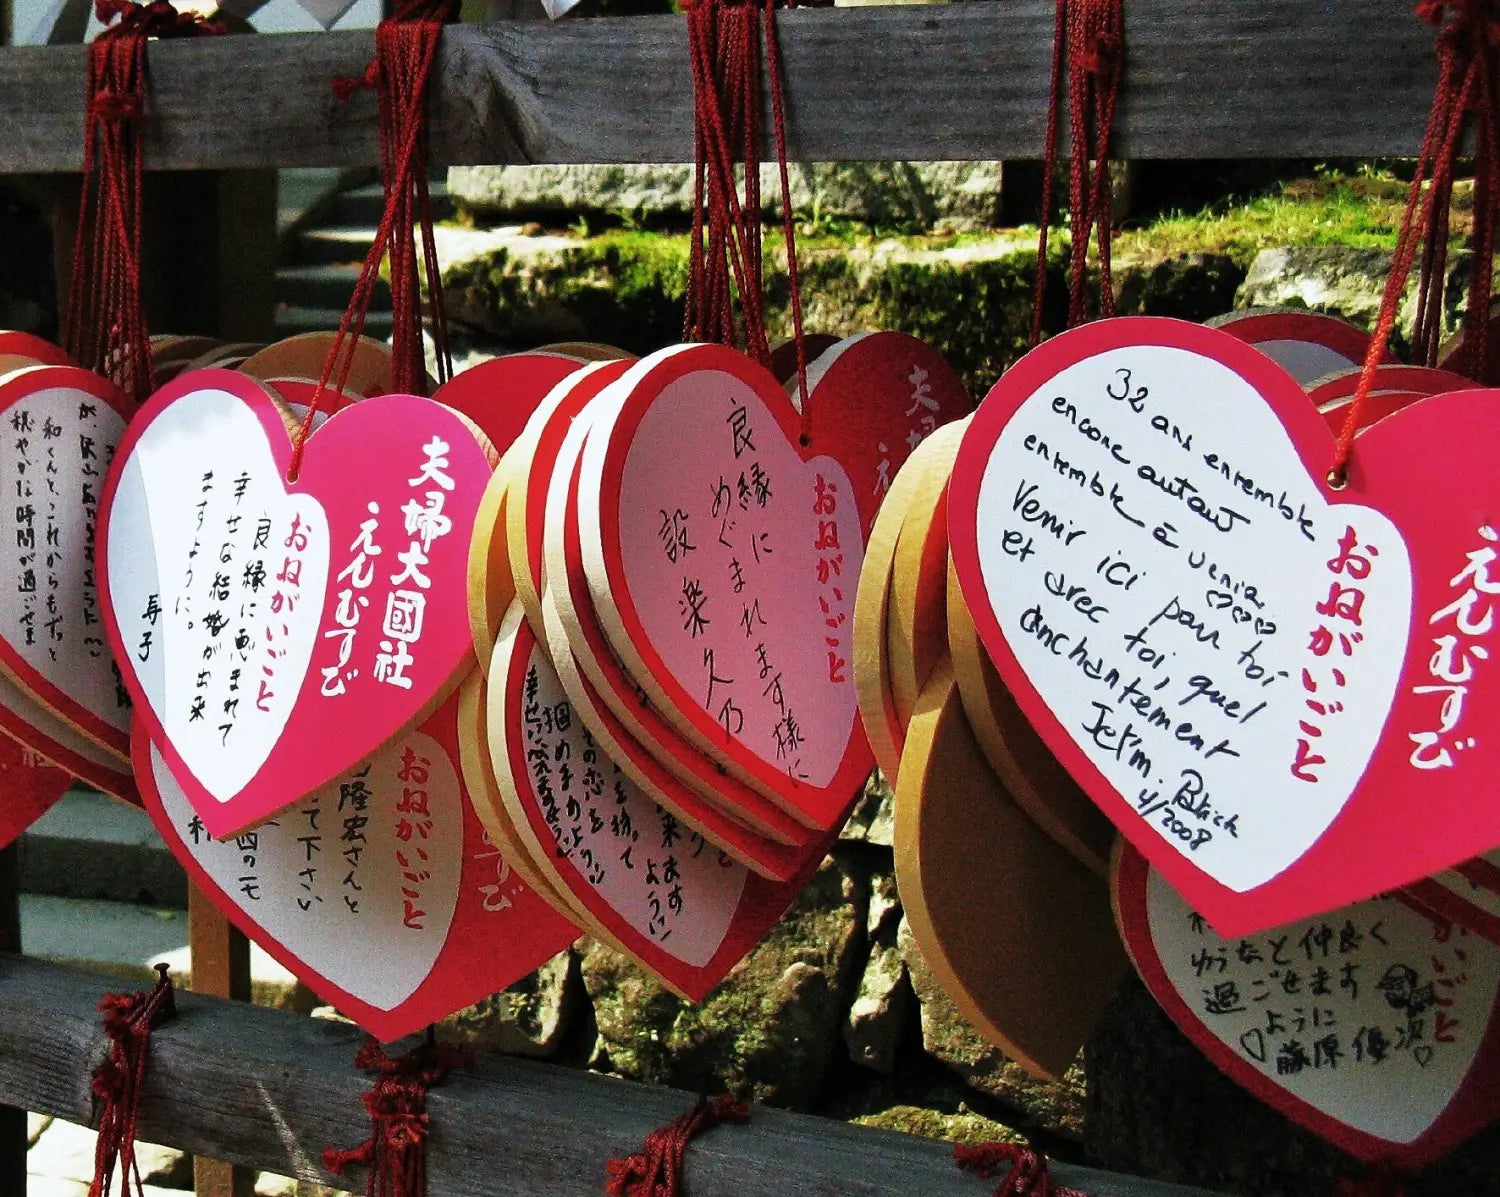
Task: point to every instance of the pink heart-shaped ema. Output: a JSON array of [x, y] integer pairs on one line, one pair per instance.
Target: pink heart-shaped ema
[[1373, 1025], [271, 633], [390, 855], [29, 785], [722, 552], [1257, 678], [62, 426], [664, 894]]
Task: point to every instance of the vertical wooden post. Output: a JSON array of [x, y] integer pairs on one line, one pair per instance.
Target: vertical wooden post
[[221, 967], [12, 1119]]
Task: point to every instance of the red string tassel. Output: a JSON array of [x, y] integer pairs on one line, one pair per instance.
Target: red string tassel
[[1465, 50], [1089, 46], [656, 1169], [128, 1021], [396, 1151], [1028, 1175], [406, 48], [105, 328]]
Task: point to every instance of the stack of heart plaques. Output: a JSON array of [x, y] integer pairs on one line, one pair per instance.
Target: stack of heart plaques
[[665, 737], [1174, 613], [283, 580]]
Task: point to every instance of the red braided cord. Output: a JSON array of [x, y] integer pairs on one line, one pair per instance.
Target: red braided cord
[[1028, 1173], [105, 325], [406, 49], [1088, 45], [396, 1151], [656, 1170], [128, 1021], [1462, 31], [788, 217]]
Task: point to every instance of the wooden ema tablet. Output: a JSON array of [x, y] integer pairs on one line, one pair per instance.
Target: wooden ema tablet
[[29, 785], [586, 351], [230, 355], [660, 893], [917, 622], [1455, 355], [355, 625], [34, 349], [484, 793], [783, 360], [1026, 767], [1277, 798], [1334, 391], [678, 775], [380, 891], [775, 517], [306, 355], [535, 455], [883, 722], [1016, 931], [626, 725], [63, 426], [37, 729], [1468, 893], [1371, 1025], [1308, 345], [500, 396]]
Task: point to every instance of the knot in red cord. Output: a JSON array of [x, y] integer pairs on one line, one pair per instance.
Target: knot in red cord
[[1102, 54], [397, 1103], [128, 1022], [108, 105], [656, 1170], [1028, 1175]]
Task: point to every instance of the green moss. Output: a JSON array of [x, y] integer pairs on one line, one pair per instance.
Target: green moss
[[962, 1127], [768, 1032]]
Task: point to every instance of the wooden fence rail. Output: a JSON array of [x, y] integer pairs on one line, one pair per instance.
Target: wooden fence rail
[[1204, 79], [269, 1090]]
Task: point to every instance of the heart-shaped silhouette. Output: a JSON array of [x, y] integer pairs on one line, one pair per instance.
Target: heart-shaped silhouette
[[1372, 1025]]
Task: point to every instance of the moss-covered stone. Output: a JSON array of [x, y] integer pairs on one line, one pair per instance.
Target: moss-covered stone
[[970, 298], [770, 1030], [531, 1018], [1049, 1105], [964, 1127]]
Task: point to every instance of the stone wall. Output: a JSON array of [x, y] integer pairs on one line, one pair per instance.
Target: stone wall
[[834, 1013]]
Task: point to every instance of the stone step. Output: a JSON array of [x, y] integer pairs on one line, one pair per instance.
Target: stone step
[[326, 287], [334, 245], [90, 846], [365, 205], [126, 941], [292, 320], [302, 192], [60, 1163]]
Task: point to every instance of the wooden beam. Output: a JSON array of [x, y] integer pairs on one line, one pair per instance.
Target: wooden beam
[[1204, 79], [268, 1089]]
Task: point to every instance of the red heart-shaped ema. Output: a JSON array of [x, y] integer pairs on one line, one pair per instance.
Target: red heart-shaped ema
[[654, 887], [30, 784], [1266, 683], [1372, 1025], [274, 633], [722, 542], [390, 856]]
